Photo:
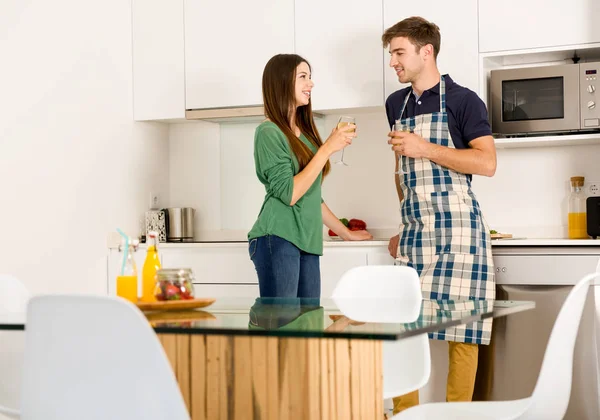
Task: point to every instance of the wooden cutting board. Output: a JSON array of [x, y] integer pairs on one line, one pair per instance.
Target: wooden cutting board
[[501, 235], [175, 305]]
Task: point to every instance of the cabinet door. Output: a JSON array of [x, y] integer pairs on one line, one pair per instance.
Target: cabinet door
[[158, 64], [335, 262], [227, 45], [216, 265], [379, 256], [459, 52], [517, 24], [341, 39], [226, 290]]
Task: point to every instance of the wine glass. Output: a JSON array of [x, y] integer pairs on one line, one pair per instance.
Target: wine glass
[[398, 126], [342, 122]]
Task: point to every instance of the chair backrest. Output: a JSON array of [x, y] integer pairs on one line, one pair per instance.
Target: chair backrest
[[95, 357], [550, 397], [406, 365], [395, 296], [13, 299], [394, 293]]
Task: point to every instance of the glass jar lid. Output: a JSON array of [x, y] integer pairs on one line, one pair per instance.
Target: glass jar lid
[[170, 274]]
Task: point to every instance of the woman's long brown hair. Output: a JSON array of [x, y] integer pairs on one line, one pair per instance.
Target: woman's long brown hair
[[279, 97]]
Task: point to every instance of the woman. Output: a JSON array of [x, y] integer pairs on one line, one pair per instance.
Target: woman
[[291, 160]]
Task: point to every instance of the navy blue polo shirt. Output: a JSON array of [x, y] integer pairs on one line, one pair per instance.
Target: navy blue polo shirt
[[467, 114]]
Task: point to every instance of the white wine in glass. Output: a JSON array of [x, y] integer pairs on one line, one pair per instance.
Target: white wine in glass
[[343, 122], [398, 126]]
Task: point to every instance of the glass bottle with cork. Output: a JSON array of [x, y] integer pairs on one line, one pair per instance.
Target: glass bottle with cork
[[577, 212]]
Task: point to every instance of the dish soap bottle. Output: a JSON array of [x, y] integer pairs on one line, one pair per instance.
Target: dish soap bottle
[[151, 266], [577, 204], [127, 282]]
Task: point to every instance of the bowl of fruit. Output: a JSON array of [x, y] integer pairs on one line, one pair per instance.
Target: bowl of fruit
[[174, 284]]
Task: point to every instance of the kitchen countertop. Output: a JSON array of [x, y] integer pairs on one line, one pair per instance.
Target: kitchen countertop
[[237, 238], [329, 243]]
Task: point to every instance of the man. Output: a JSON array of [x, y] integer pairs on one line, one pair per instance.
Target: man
[[441, 137]]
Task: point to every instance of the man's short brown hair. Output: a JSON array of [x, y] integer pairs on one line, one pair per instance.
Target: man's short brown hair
[[419, 32]]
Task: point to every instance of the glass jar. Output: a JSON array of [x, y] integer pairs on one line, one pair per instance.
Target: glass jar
[[174, 284], [577, 213]]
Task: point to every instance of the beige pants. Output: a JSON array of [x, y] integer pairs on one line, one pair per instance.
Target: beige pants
[[461, 376]]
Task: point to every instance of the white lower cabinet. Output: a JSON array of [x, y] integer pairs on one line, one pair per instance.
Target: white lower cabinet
[[226, 290], [214, 265], [226, 269], [379, 256], [335, 262]]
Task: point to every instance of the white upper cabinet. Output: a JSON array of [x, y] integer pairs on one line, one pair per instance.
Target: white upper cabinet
[[227, 44], [523, 24], [158, 64], [457, 20], [341, 39]]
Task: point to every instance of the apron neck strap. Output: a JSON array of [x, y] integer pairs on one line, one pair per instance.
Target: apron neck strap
[[442, 94], [442, 98]]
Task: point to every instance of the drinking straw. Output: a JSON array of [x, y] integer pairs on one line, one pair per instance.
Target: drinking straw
[[126, 250]]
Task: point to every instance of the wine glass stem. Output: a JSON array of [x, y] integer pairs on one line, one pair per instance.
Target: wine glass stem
[[342, 159]]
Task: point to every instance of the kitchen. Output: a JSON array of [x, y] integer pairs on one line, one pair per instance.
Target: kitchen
[[207, 165]]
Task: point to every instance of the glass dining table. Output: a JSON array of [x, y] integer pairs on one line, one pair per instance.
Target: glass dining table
[[262, 358]]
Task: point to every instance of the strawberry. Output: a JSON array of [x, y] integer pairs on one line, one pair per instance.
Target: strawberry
[[173, 292], [331, 233]]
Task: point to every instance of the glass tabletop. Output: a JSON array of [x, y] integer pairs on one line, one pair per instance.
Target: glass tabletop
[[381, 319]]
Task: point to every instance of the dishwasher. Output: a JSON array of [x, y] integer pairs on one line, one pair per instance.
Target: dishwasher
[[546, 276]]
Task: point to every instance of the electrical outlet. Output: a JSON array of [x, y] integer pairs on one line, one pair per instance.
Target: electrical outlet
[[593, 188], [154, 200]]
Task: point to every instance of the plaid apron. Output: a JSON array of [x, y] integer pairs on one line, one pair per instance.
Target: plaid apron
[[443, 234]]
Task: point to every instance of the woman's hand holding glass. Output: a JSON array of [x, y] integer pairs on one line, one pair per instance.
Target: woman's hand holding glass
[[340, 137]]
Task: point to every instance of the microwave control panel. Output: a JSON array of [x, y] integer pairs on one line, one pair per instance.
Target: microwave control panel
[[589, 79]]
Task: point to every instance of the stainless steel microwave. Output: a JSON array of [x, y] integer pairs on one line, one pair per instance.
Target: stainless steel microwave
[[546, 99]]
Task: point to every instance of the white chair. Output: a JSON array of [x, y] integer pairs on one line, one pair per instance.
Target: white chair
[[95, 357], [550, 397], [393, 294], [396, 298], [13, 299]]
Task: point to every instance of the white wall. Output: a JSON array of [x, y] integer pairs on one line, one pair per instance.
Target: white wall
[[526, 197], [73, 164], [194, 180]]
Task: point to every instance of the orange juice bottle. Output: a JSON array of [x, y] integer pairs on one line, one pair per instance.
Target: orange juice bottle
[[151, 266], [127, 282], [577, 212]]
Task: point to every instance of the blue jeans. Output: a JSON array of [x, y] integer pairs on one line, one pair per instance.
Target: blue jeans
[[283, 269]]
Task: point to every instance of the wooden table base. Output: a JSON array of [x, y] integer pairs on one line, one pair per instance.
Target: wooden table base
[[252, 378]]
